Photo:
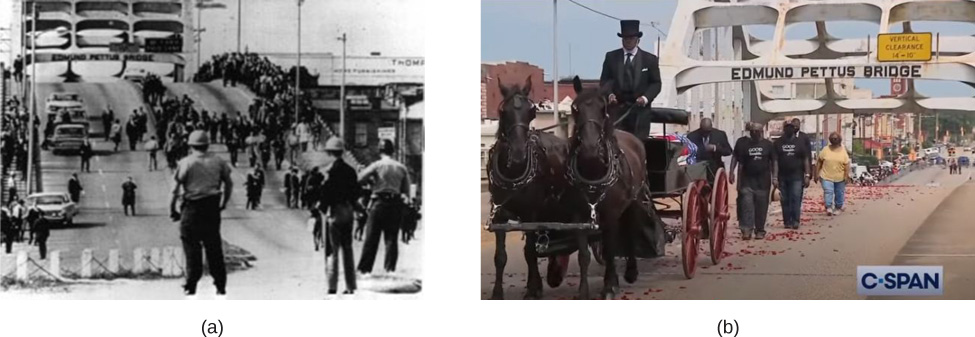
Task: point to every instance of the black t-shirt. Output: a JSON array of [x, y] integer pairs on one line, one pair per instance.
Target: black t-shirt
[[790, 154], [755, 158]]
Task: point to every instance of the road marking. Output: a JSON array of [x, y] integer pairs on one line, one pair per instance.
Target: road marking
[[937, 255]]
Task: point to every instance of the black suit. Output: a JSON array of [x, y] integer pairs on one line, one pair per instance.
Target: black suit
[[717, 138], [644, 81]]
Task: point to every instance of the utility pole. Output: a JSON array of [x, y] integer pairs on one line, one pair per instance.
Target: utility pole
[[342, 92], [239, 19], [560, 130], [298, 67], [33, 99]]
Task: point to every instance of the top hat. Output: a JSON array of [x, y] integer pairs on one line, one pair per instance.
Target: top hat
[[630, 28]]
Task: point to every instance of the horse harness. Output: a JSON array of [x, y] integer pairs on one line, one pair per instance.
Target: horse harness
[[597, 189]]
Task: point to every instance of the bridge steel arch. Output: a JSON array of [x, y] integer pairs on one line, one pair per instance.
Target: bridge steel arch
[[824, 56]]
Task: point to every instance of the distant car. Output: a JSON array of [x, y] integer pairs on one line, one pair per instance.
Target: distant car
[[55, 206], [69, 137], [964, 161], [136, 75], [66, 107]]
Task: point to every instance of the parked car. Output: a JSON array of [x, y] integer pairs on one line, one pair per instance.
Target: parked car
[[56, 207], [69, 137], [964, 161]]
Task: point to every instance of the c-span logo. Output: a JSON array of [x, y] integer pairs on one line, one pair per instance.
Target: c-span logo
[[900, 280]]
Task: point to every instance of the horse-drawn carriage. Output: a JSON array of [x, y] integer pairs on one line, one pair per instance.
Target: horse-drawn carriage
[[657, 184]]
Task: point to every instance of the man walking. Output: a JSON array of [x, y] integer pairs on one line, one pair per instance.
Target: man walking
[[152, 146], [86, 153], [633, 74], [252, 186], [199, 180], [128, 196], [755, 156], [290, 186], [339, 193], [390, 187], [712, 144], [792, 158], [74, 188], [40, 231]]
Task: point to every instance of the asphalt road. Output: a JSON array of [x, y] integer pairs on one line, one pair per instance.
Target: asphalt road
[[881, 226]]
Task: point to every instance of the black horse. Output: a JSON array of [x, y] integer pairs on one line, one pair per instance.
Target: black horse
[[608, 168], [527, 182]]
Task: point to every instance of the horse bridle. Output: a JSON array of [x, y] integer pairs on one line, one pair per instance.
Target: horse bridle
[[607, 156]]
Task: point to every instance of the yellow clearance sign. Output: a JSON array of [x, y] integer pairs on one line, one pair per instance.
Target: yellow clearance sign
[[904, 47]]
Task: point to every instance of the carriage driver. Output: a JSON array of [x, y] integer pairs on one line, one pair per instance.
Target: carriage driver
[[633, 75]]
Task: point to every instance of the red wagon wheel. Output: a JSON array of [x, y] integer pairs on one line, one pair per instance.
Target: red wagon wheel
[[695, 213], [719, 214]]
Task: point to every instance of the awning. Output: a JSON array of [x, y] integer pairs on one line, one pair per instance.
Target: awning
[[415, 111], [872, 144]]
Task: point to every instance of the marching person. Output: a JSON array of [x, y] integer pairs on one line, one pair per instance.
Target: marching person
[[31, 215], [712, 144], [86, 153], [107, 117], [6, 230], [792, 158], [128, 196], [633, 74], [755, 156], [116, 134], [253, 188], [833, 164], [74, 188], [152, 146], [390, 188], [291, 187], [17, 219], [132, 130], [200, 177], [339, 194]]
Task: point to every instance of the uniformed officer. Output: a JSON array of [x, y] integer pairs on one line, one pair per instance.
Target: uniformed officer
[[390, 188], [338, 195], [40, 231], [200, 177], [633, 75], [74, 188]]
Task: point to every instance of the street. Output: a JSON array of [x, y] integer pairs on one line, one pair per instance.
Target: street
[[286, 266], [883, 225]]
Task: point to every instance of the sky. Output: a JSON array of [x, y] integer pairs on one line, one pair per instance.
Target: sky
[[523, 31]]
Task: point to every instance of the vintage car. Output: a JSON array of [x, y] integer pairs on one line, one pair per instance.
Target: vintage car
[[56, 207], [69, 137], [66, 107]]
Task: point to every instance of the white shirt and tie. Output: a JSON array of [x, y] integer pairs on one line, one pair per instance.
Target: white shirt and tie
[[628, 55]]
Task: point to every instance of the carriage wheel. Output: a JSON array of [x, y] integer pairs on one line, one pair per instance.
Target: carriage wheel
[[719, 214], [695, 212]]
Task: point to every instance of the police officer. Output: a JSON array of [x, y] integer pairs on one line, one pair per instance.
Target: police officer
[[86, 154], [338, 197], [40, 231], [128, 196], [200, 177], [390, 188], [633, 75]]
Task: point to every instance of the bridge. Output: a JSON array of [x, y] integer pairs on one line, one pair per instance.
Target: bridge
[[824, 57]]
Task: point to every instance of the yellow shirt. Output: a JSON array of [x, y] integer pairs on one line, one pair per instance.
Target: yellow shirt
[[834, 164]]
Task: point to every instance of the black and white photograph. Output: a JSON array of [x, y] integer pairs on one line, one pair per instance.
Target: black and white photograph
[[212, 149]]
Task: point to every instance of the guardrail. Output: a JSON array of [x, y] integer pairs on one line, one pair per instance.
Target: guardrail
[[165, 262]]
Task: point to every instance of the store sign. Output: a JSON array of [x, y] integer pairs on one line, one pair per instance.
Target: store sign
[[904, 47], [775, 73], [387, 133]]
